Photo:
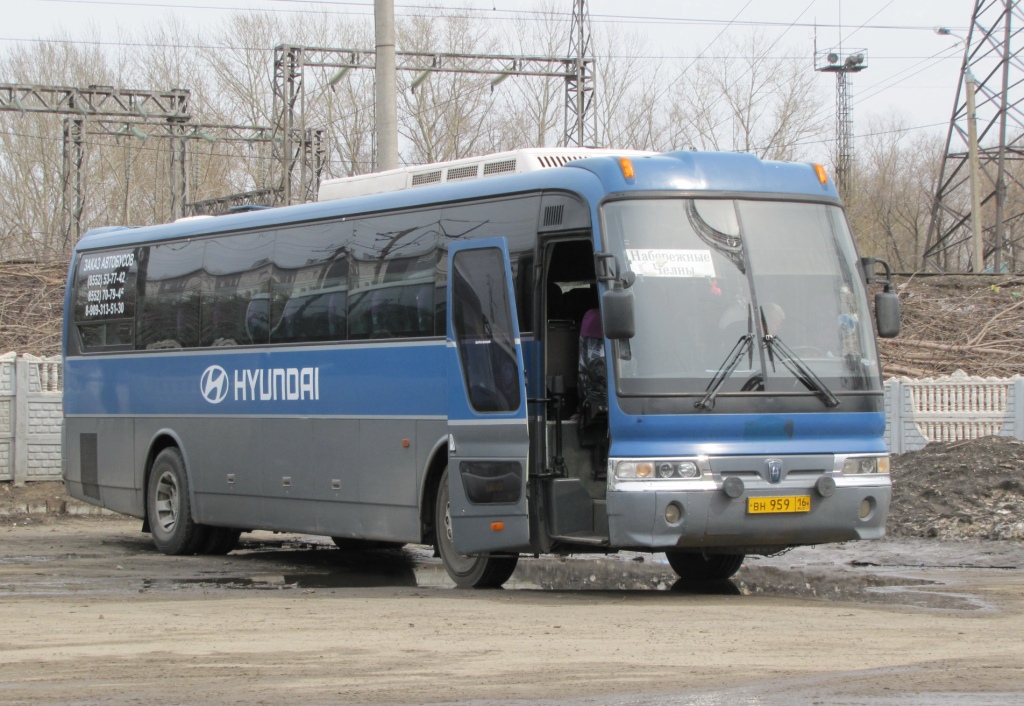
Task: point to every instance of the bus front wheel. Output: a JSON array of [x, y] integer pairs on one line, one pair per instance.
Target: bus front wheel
[[466, 571], [696, 566], [169, 508]]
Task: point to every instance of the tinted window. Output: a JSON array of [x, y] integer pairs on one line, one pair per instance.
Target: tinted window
[[105, 298], [170, 279], [237, 279], [310, 283], [514, 219], [482, 323], [392, 276]]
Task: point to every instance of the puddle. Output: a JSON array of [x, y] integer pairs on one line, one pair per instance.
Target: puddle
[[266, 562], [275, 566]]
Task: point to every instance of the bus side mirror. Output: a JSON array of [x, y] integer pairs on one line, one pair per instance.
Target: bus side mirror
[[887, 314], [617, 316], [887, 302]]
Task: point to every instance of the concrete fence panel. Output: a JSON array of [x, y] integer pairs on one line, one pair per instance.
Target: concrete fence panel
[[31, 411], [957, 407]]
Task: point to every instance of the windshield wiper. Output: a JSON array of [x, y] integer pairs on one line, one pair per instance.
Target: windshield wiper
[[796, 366], [732, 361]]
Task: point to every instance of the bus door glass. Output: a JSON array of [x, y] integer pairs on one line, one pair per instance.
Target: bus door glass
[[488, 437]]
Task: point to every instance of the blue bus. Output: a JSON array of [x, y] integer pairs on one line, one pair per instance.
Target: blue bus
[[610, 351]]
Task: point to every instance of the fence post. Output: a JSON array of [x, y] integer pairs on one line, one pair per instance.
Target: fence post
[[1018, 406], [895, 419], [21, 390]]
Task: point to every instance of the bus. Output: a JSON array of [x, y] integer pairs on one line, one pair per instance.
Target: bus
[[546, 352]]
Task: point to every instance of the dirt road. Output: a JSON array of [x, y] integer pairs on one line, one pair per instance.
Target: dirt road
[[90, 613]]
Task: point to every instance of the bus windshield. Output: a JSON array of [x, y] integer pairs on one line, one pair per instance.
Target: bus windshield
[[711, 271]]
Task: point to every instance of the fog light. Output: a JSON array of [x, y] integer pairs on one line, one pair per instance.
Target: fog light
[[866, 506], [672, 513]]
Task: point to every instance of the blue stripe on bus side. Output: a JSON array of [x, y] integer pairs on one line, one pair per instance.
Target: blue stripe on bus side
[[354, 380]]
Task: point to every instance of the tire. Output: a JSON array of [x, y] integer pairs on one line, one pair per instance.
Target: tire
[[348, 544], [466, 571], [169, 508], [696, 566], [220, 541]]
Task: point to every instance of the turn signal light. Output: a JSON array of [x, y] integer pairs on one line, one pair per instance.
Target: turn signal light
[[497, 526]]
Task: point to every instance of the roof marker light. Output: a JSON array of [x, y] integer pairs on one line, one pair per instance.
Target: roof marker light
[[626, 165], [822, 174]]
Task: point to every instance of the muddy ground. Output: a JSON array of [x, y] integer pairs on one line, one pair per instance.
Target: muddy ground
[[90, 613], [934, 614]]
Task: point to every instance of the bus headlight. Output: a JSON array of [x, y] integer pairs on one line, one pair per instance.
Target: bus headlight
[[660, 469], [857, 465]]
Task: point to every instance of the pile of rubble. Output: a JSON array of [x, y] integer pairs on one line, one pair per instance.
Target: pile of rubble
[[959, 490]]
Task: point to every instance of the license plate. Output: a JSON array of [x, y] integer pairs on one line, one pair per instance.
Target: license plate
[[788, 503]]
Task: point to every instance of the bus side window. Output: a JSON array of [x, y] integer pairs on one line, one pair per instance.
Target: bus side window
[[170, 301]]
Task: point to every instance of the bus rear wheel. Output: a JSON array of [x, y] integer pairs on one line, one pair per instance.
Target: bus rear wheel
[[169, 508], [697, 566], [466, 571]]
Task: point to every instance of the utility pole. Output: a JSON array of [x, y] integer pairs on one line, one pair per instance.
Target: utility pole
[[386, 85]]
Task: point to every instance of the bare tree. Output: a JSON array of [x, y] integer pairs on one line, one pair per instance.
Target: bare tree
[[533, 107], [890, 204], [628, 106], [447, 115], [741, 98]]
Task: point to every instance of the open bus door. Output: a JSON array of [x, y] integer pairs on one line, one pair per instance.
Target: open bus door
[[488, 438]]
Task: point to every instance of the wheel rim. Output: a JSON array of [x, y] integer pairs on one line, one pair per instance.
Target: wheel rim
[[458, 563], [167, 502]]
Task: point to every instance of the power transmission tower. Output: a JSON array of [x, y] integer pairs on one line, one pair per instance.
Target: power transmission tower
[[990, 54], [580, 128], [842, 63]]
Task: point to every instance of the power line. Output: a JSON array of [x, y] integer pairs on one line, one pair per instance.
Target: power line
[[483, 14]]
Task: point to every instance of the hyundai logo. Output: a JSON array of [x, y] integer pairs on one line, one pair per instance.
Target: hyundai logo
[[214, 384], [774, 467]]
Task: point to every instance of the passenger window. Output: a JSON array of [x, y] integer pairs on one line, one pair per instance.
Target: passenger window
[[170, 281], [105, 298], [310, 283], [238, 269], [482, 323], [392, 277]]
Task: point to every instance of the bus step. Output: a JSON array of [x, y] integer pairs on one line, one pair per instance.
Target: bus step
[[595, 540]]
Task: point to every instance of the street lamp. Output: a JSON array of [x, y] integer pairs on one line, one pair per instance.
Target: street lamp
[[972, 155]]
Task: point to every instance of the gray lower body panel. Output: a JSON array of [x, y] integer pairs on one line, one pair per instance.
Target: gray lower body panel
[[358, 478]]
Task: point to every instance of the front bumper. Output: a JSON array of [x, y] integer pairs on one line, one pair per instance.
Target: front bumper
[[709, 518]]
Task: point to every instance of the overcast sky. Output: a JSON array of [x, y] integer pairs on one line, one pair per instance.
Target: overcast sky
[[911, 71]]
